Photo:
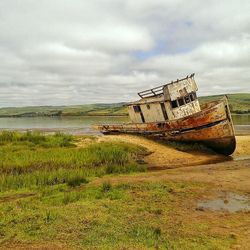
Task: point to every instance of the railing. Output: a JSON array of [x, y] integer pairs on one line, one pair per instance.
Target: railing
[[159, 90]]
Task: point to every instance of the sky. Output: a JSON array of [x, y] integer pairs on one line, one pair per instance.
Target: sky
[[67, 52]]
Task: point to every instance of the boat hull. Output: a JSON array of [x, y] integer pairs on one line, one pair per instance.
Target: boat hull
[[212, 126], [217, 136]]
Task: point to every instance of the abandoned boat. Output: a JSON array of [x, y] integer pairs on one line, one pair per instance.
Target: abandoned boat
[[173, 112]]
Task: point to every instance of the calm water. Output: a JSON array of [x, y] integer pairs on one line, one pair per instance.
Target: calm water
[[67, 124], [83, 124], [241, 124], [241, 119]]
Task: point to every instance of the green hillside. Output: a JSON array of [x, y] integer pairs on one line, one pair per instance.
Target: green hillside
[[239, 103], [116, 109]]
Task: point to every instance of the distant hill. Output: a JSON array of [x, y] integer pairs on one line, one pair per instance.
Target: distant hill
[[239, 104], [113, 109]]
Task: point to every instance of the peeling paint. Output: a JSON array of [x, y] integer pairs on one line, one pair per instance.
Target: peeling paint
[[180, 89], [170, 92]]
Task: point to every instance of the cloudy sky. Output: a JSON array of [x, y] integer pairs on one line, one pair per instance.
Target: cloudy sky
[[64, 52]]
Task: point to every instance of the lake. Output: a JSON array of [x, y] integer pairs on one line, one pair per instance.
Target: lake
[[82, 125]]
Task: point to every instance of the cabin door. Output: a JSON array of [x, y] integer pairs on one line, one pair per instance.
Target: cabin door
[[164, 112], [142, 116], [137, 109]]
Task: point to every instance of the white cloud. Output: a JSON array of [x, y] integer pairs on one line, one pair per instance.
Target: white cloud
[[72, 52]]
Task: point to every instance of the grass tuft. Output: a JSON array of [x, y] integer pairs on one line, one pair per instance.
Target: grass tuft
[[106, 186], [76, 181]]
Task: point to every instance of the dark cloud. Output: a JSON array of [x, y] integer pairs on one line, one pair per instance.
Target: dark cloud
[[62, 52]]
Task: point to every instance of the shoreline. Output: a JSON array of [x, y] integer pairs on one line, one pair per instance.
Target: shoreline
[[89, 115], [68, 116], [240, 130]]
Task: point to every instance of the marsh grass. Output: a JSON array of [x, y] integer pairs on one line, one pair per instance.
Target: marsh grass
[[34, 159], [32, 139], [106, 186]]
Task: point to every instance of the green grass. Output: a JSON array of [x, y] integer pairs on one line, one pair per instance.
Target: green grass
[[108, 216], [238, 103], [32, 139], [115, 109], [33, 159], [55, 194]]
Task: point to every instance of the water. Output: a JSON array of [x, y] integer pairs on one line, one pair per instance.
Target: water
[[241, 119], [78, 125], [230, 202], [241, 124], [75, 125]]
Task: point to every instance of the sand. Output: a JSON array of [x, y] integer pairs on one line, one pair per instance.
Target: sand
[[163, 156]]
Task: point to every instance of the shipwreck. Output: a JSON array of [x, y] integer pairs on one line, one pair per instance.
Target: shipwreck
[[172, 112]]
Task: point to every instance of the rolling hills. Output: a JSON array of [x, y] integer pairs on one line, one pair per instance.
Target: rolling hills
[[239, 104]]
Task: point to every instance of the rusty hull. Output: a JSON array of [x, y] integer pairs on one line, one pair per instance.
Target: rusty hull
[[212, 126]]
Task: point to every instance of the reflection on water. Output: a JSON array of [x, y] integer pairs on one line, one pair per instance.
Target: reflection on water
[[77, 124]]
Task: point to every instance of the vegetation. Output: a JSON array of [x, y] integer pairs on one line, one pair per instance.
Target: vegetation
[[78, 110], [32, 160], [55, 195], [107, 216], [239, 103]]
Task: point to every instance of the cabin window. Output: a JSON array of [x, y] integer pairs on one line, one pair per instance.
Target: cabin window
[[187, 99], [193, 96], [148, 106], [137, 108], [174, 104], [181, 101]]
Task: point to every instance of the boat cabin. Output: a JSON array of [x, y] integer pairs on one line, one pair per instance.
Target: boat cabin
[[171, 101]]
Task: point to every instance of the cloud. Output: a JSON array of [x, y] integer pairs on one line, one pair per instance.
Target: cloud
[[62, 52]]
